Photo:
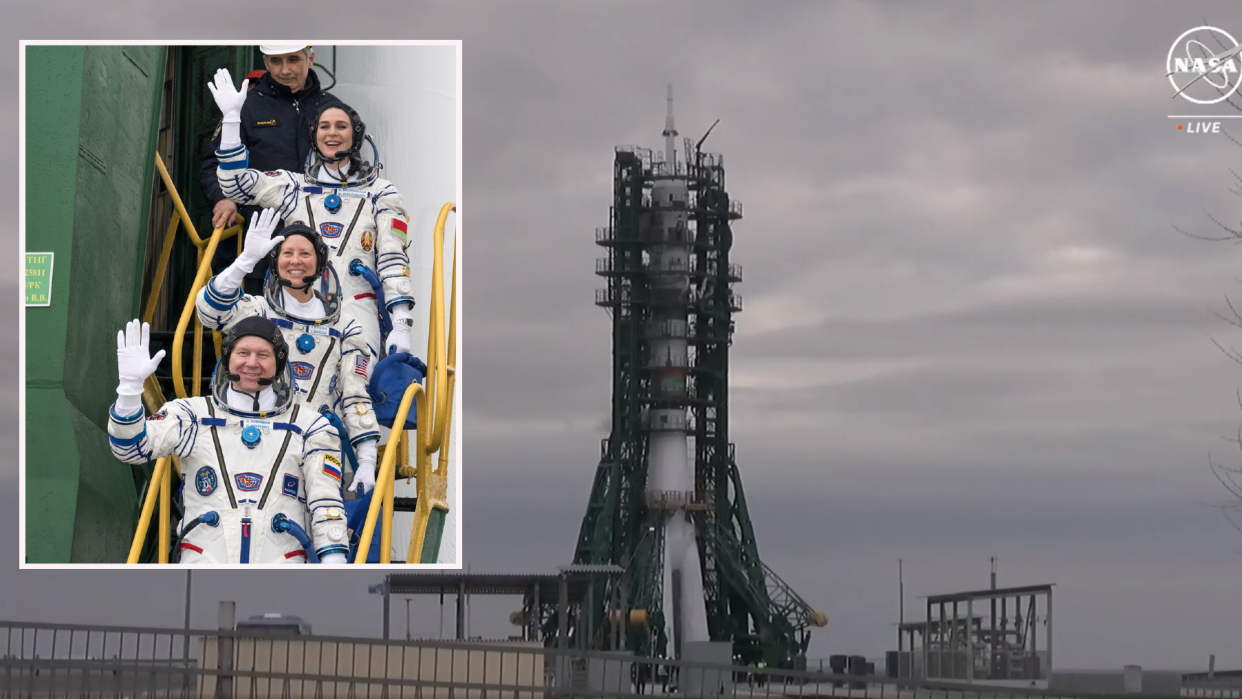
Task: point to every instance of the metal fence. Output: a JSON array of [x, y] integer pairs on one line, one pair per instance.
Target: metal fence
[[63, 660]]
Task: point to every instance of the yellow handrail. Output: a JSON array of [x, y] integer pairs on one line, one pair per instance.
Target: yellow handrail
[[161, 478], [385, 480], [432, 493], [431, 427], [148, 506]]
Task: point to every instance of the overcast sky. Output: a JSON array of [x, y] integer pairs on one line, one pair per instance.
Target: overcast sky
[[970, 328]]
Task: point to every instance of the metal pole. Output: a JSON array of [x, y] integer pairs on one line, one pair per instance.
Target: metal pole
[[901, 592], [387, 593], [407, 618], [461, 609], [901, 610], [185, 655], [224, 654]]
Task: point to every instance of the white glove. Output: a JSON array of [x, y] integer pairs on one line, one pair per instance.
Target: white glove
[[230, 101], [259, 242], [333, 558], [365, 475], [134, 364], [399, 338]]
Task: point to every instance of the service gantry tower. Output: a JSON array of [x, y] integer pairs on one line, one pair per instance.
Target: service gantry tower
[[676, 523]]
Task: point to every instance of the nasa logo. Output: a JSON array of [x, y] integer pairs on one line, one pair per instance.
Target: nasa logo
[[331, 230], [290, 486], [1199, 74], [248, 482], [332, 384], [205, 481], [301, 370], [160, 415]]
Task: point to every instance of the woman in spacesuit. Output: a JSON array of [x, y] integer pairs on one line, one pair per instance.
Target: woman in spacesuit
[[302, 296], [341, 196], [256, 467]]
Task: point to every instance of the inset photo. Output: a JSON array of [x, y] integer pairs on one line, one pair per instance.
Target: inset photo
[[240, 333]]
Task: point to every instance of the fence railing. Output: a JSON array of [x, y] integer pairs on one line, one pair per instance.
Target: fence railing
[[65, 660]]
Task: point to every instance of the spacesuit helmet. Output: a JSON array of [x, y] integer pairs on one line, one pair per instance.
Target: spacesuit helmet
[[281, 383], [360, 149], [316, 241], [325, 285]]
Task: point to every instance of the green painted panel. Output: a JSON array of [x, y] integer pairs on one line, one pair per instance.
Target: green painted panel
[[435, 532], [120, 112], [53, 115], [92, 116], [51, 477], [104, 522]]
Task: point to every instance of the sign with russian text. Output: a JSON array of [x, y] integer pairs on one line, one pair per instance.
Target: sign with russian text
[[39, 278]]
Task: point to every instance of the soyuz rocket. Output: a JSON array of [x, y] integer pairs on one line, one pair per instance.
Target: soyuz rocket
[[670, 467]]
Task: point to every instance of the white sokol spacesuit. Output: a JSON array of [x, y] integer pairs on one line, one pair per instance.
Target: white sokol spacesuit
[[359, 215], [245, 469], [327, 355]]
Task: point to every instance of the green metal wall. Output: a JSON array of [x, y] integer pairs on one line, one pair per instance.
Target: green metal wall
[[91, 124]]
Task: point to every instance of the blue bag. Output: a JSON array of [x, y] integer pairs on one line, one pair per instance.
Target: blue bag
[[356, 519], [392, 376]]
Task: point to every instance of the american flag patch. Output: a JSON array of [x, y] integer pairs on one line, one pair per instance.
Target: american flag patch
[[360, 365]]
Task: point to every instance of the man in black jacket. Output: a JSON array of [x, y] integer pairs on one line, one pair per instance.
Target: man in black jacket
[[275, 128]]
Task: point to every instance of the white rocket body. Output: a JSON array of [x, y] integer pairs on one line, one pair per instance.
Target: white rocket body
[[670, 470]]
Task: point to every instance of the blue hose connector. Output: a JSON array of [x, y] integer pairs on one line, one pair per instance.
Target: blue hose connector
[[283, 525], [356, 268], [209, 518]]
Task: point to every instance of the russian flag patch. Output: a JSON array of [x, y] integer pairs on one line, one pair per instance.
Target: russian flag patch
[[329, 468]]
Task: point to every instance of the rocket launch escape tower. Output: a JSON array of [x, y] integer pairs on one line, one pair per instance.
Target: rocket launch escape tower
[[667, 503]]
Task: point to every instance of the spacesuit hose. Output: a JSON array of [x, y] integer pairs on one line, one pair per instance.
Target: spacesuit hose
[[281, 523], [356, 268], [209, 518], [346, 448]]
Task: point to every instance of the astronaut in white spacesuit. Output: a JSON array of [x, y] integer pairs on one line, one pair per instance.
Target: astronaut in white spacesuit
[[340, 195], [254, 463], [301, 295]]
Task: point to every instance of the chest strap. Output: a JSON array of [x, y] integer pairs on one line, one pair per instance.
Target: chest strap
[[288, 325], [271, 477], [214, 422], [215, 438]]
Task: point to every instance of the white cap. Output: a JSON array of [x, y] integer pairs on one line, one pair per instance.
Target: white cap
[[277, 49]]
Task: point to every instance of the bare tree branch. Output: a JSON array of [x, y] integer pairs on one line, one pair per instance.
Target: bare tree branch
[[1200, 237]]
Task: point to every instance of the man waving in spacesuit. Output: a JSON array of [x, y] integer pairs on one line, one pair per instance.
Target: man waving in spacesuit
[[254, 463], [302, 295]]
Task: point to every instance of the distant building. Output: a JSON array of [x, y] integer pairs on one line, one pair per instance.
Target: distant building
[[275, 624]]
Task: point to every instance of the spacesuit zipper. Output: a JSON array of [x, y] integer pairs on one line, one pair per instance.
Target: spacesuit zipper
[[224, 471], [319, 373], [271, 477], [310, 214], [362, 201]]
